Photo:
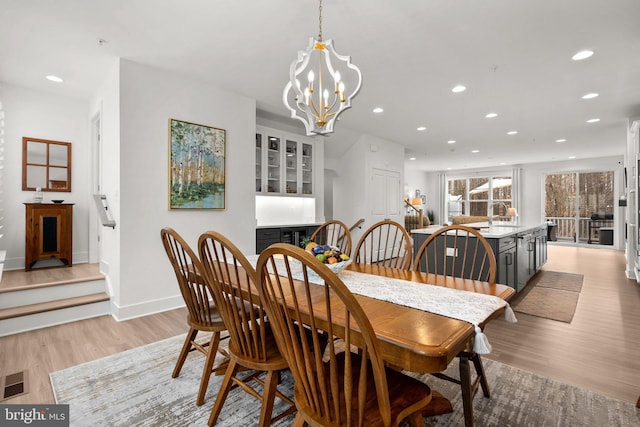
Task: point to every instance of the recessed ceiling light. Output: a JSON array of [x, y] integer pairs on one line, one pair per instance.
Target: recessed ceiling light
[[595, 120], [54, 79], [491, 115], [412, 158], [583, 54], [475, 151], [378, 110], [451, 141], [512, 132], [448, 169], [422, 128], [561, 140], [590, 95], [572, 157], [458, 89], [502, 163]]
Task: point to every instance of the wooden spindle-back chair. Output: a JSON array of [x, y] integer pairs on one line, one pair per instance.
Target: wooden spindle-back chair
[[385, 243], [198, 297], [334, 233], [334, 387], [251, 343], [460, 251]]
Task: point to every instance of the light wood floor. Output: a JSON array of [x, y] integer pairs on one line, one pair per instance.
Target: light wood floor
[[598, 350]]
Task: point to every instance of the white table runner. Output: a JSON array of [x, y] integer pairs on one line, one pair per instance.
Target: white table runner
[[471, 307]]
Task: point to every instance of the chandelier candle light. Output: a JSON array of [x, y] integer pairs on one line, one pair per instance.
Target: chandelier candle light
[[318, 103]]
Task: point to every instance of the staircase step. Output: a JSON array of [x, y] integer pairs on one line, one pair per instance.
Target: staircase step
[[44, 315], [26, 296], [26, 310]]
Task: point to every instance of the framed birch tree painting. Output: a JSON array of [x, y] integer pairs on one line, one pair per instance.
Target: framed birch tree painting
[[196, 166]]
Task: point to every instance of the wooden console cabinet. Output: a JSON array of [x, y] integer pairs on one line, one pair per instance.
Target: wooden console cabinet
[[49, 233]]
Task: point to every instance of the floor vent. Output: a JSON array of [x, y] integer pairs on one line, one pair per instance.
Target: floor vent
[[13, 385]]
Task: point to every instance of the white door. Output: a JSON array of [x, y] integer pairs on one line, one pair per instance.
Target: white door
[[95, 230], [385, 196], [385, 205]]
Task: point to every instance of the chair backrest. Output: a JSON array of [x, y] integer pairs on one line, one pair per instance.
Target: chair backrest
[[333, 233], [233, 279], [323, 389], [458, 251], [385, 243], [195, 290]]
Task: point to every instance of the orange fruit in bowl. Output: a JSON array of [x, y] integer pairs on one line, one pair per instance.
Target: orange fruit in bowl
[[332, 260]]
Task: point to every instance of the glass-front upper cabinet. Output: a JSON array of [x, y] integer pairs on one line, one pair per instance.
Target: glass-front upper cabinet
[[274, 154], [289, 163], [258, 163], [291, 170], [307, 168]]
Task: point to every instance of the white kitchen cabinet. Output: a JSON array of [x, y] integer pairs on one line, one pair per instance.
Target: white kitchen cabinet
[[285, 163]]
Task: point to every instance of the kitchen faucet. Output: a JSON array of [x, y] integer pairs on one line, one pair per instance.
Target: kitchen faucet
[[506, 209]]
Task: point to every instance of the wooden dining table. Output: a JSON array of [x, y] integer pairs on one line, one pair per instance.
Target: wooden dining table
[[420, 341]]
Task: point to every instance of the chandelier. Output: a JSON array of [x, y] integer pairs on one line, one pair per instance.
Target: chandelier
[[328, 90]]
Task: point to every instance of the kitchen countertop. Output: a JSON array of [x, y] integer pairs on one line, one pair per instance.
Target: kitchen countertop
[[495, 231], [306, 224]]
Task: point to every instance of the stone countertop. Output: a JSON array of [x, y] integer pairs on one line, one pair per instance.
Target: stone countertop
[[306, 224], [495, 231]]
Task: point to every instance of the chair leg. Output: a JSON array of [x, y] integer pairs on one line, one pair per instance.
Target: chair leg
[[232, 370], [268, 397], [208, 367], [298, 421], [477, 362], [467, 393], [186, 347], [415, 419]]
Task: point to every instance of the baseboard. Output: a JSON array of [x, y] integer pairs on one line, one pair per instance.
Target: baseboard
[[17, 263], [146, 308]]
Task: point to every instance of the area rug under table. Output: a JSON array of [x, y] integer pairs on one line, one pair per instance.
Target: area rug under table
[[135, 388]]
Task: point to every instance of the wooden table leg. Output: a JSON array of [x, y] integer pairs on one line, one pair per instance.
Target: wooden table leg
[[638, 403], [439, 405]]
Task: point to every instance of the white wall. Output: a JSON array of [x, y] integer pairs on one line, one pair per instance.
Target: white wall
[[43, 115], [148, 99], [106, 104], [351, 185]]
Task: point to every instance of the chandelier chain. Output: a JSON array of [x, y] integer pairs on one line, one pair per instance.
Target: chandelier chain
[[320, 20]]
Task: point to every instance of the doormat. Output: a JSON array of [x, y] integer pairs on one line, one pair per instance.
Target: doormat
[[558, 280], [552, 295]]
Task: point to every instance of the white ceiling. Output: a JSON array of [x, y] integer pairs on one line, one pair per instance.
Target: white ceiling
[[514, 56]]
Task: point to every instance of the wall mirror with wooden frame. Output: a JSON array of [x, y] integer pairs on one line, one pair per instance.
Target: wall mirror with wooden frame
[[46, 164]]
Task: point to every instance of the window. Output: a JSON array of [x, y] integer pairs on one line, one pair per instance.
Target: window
[[579, 204], [474, 196]]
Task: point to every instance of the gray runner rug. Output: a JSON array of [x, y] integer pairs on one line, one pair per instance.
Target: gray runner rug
[[135, 388]]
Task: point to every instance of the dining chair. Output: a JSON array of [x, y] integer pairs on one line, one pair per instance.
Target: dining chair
[[385, 243], [460, 251], [333, 233], [198, 297], [251, 342], [334, 387]]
